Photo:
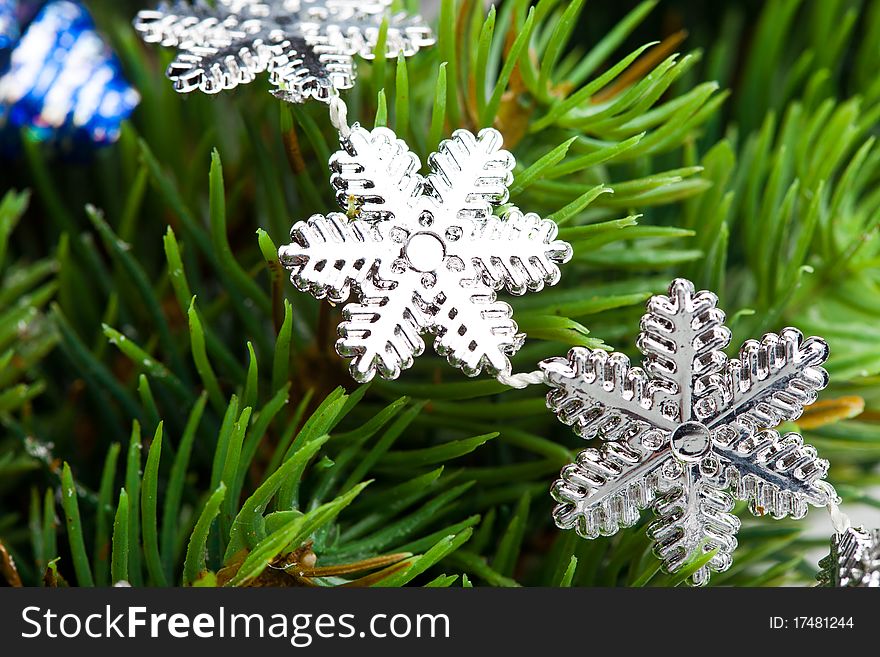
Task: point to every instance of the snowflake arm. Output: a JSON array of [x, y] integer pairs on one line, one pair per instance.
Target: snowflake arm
[[477, 334], [329, 254], [376, 172], [600, 394], [693, 516], [682, 336], [173, 24], [605, 489], [356, 24], [381, 332], [303, 72], [774, 379], [518, 252], [470, 174], [854, 560], [212, 70], [778, 475]]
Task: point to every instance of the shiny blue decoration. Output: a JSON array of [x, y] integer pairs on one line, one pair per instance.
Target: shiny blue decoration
[[9, 30], [63, 83]]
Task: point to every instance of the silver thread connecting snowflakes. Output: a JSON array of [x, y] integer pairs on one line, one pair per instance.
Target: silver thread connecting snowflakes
[[854, 560], [307, 46], [689, 433], [423, 254]]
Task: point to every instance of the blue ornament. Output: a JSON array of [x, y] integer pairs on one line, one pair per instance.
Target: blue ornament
[[9, 30], [63, 83]]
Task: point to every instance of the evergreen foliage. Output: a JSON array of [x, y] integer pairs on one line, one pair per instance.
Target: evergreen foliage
[[172, 411]]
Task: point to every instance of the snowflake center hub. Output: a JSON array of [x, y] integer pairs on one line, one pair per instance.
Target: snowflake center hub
[[690, 441], [424, 251]]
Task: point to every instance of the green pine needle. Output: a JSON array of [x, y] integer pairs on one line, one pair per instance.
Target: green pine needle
[[746, 162]]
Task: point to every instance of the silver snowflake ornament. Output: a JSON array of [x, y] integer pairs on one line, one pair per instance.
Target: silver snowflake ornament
[[307, 46], [423, 254], [854, 560], [688, 433]]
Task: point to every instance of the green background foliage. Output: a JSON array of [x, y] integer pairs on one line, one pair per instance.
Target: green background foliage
[[173, 413]]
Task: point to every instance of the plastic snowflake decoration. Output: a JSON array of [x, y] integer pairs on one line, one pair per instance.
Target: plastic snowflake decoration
[[425, 254], [307, 46], [854, 560], [690, 432]]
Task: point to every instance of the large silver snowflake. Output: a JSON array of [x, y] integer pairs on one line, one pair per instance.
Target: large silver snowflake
[[854, 560], [307, 46], [690, 432], [425, 254]]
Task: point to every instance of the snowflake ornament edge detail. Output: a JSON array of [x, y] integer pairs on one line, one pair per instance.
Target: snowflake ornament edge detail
[[423, 254], [853, 560], [689, 433], [306, 46]]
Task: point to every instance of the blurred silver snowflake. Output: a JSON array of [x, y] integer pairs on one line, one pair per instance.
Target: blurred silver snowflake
[[689, 434], [307, 46], [424, 253], [854, 560]]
